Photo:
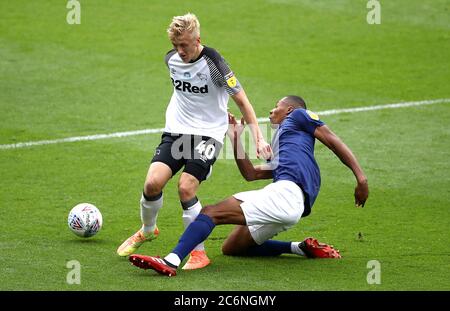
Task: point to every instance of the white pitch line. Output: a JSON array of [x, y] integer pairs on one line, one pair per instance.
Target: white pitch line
[[260, 120], [377, 107], [79, 138]]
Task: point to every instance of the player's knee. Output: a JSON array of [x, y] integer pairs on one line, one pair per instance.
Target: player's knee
[[227, 250], [207, 210], [152, 187], [210, 212], [186, 190], [231, 249]]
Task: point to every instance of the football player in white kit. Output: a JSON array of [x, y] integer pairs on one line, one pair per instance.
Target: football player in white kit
[[262, 214], [196, 123]]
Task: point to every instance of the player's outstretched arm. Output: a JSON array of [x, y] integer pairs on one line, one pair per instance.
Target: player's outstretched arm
[[263, 149], [246, 167], [333, 142]]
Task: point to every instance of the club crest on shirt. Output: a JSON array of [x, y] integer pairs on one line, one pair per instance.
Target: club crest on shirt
[[202, 76], [313, 115], [231, 81]]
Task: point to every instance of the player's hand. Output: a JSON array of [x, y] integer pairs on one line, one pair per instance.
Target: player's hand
[[235, 129], [361, 193], [264, 151]]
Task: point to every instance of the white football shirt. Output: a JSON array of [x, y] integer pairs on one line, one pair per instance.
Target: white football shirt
[[200, 96]]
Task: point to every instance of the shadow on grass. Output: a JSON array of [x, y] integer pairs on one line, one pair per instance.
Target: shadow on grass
[[87, 241]]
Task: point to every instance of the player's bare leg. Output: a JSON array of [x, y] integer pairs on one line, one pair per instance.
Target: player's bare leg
[[238, 242], [241, 243], [225, 212], [151, 201]]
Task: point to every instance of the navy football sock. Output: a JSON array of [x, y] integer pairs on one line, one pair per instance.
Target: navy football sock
[[270, 248], [195, 233]]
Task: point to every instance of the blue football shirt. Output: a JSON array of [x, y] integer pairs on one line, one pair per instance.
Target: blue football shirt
[[293, 148]]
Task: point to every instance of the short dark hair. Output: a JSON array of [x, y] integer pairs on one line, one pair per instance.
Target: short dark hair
[[296, 101]]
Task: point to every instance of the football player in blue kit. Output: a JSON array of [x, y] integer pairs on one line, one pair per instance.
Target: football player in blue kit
[[262, 214], [196, 123]]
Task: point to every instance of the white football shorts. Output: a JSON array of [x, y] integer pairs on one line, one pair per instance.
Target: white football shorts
[[272, 209]]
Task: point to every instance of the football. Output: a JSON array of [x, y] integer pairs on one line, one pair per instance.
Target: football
[[85, 220]]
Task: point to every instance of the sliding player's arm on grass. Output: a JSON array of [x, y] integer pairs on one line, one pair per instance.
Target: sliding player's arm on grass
[[335, 144], [249, 171]]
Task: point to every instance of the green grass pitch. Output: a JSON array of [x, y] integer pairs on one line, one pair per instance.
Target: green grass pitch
[[107, 75]]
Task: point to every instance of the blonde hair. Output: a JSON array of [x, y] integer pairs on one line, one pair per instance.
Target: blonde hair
[[185, 23]]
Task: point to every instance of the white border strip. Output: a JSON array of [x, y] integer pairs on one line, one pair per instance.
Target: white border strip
[[261, 120]]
